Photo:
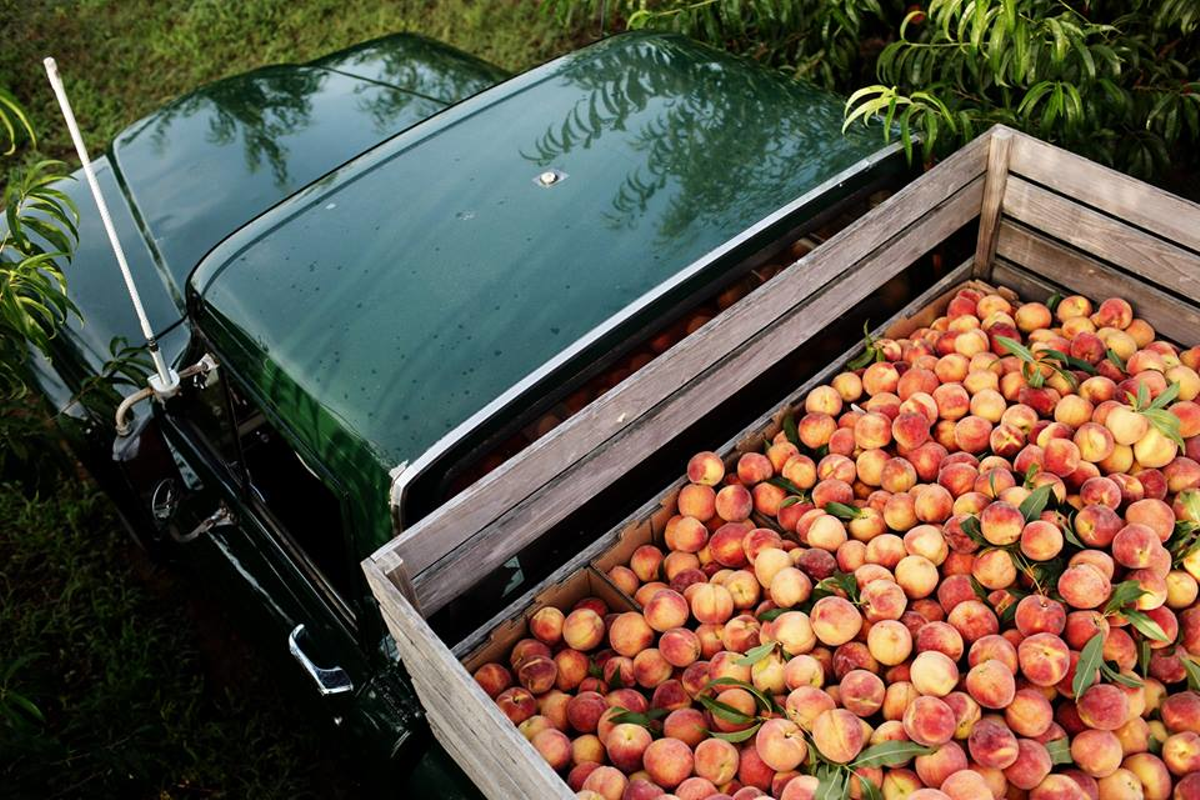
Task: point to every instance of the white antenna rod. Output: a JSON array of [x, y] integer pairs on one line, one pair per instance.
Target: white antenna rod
[[167, 381]]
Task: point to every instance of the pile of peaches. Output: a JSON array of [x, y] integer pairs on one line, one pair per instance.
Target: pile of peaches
[[966, 569]]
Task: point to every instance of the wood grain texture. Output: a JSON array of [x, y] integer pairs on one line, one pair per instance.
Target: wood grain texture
[[469, 724], [1078, 272], [465, 515], [993, 196], [592, 471], [1150, 258], [1139, 203]]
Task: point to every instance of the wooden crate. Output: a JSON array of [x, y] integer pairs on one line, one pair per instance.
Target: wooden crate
[[1047, 220]]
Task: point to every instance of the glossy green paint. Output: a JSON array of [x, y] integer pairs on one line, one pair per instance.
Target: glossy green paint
[[384, 305]]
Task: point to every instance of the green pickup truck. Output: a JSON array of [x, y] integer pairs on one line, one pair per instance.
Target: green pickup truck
[[400, 265]]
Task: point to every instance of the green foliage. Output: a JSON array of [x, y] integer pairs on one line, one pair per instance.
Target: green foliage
[[1115, 80]]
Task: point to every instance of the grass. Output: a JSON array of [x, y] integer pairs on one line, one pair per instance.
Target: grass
[[109, 656], [107, 688], [121, 60]]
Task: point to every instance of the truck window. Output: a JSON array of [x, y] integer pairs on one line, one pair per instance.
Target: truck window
[[296, 505], [305, 513]]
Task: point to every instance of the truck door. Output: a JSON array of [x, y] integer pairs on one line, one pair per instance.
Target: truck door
[[258, 520]]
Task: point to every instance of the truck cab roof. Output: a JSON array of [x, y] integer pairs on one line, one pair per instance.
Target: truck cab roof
[[459, 269]]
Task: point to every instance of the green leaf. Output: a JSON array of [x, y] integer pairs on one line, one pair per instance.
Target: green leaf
[[737, 736], [646, 720], [1166, 423], [970, 526], [869, 790], [1146, 626], [764, 700], [1033, 505], [1060, 751], [767, 616], [1115, 676], [832, 786], [1115, 359], [1090, 659], [725, 712], [889, 754], [786, 485], [755, 655], [1053, 300], [790, 500], [843, 511], [1167, 395], [1069, 534], [790, 431], [1193, 673], [1123, 594], [1144, 658]]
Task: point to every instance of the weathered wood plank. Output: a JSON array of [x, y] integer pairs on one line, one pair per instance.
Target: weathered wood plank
[[993, 196], [491, 750], [1118, 194], [1080, 273], [592, 471], [1151, 259], [467, 513]]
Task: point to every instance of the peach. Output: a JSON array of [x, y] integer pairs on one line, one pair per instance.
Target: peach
[[1061, 456], [744, 588], [993, 745], [716, 760], [890, 642], [780, 744], [792, 629], [680, 646], [667, 609], [815, 430], [1001, 523], [1182, 590], [676, 562], [991, 684], [625, 744], [929, 721], [972, 434], [1031, 767], [711, 603], [1041, 540], [1153, 513], [897, 475], [583, 629], [789, 587], [650, 669], [1103, 707], [848, 386], [687, 725], [1029, 714], [1082, 626], [994, 569], [936, 767], [1039, 614], [835, 620], [553, 705], [754, 467], [880, 377], [493, 678], [630, 634], [803, 670], [706, 468], [624, 579], [934, 673], [1097, 752], [1134, 546], [1152, 773], [741, 633], [1044, 659], [605, 782], [862, 692], [917, 576], [518, 704], [725, 665], [805, 703], [697, 500], [688, 534], [734, 503], [587, 749], [837, 734], [742, 702], [1084, 586], [576, 777], [800, 470], [767, 498], [966, 785], [779, 453], [695, 676], [1094, 442], [694, 788], [973, 620], [826, 532]]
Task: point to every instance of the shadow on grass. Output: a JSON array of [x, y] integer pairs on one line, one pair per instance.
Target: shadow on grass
[[140, 690]]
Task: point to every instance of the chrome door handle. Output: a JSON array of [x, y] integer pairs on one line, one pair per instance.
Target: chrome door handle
[[329, 681], [222, 516]]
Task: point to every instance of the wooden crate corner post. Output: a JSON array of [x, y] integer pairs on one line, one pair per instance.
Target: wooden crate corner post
[[472, 728], [999, 143]]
